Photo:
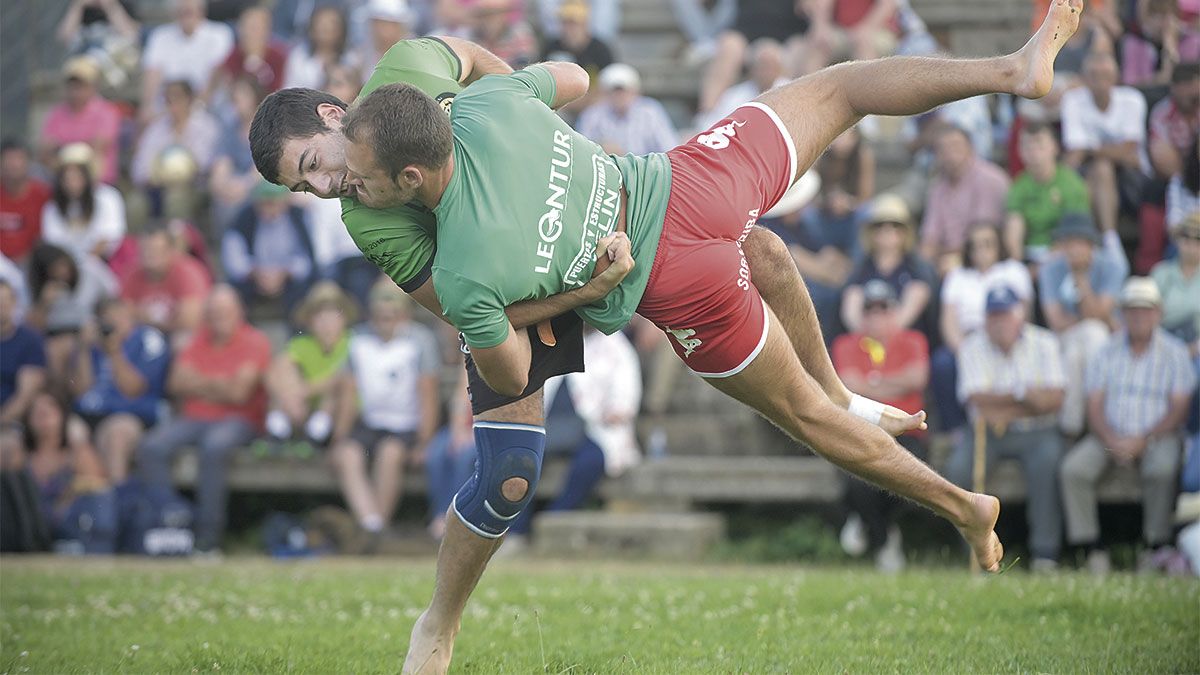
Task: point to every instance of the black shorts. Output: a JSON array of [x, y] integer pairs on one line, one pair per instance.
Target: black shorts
[[775, 19], [370, 438], [547, 362]]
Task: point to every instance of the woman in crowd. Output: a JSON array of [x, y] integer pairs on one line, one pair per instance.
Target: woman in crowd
[[84, 215], [962, 310], [889, 240], [325, 47]]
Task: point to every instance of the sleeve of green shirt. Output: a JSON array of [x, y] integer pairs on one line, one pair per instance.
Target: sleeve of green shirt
[[1016, 197], [475, 309], [415, 61], [540, 82], [392, 241], [1074, 193]]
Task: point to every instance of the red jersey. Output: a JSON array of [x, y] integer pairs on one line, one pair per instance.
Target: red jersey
[[21, 218], [857, 353], [248, 348], [156, 299], [268, 70]]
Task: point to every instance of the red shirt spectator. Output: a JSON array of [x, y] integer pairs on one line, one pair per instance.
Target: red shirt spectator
[[84, 117], [884, 362], [21, 202], [246, 348], [167, 287]]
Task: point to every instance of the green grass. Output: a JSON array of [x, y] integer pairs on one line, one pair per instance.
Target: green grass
[[343, 616]]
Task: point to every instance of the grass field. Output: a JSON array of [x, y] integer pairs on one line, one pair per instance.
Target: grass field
[[350, 616]]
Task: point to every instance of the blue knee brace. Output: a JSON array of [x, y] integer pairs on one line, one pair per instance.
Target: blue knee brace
[[505, 451]]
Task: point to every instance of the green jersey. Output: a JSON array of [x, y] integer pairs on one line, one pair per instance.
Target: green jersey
[[1043, 204], [400, 241], [527, 202]]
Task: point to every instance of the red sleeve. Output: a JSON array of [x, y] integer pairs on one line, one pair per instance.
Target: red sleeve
[[845, 353], [262, 351], [278, 60], [192, 280], [915, 348], [110, 127]]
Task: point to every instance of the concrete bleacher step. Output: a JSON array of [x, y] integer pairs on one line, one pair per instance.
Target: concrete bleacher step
[[735, 479], [676, 536], [648, 16]]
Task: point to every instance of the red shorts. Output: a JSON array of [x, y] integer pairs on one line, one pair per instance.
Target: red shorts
[[700, 291]]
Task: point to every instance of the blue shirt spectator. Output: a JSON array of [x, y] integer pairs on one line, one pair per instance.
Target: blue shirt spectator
[[267, 253], [624, 121], [147, 350], [22, 360]]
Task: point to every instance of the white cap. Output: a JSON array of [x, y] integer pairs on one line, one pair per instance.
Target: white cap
[[620, 76], [1141, 292], [397, 11]]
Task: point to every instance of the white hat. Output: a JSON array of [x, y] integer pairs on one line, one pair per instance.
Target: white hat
[[1141, 292], [396, 11], [620, 76]]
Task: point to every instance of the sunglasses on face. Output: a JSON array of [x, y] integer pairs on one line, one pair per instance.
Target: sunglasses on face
[[876, 307]]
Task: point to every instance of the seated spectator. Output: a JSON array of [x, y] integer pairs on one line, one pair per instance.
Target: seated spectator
[[59, 456], [1155, 43], [450, 459], [824, 243], [108, 32], [576, 44], [84, 116], [765, 62], [178, 145], [1175, 123], [255, 54], [1183, 192], [452, 17], [324, 46], [890, 364], [188, 49], [15, 278], [119, 383], [963, 296], [217, 380], [233, 172], [65, 289], [602, 18], [501, 31], [393, 368], [1040, 195], [267, 252], [22, 360], [1104, 134], [605, 398], [1078, 288], [168, 287], [888, 239], [343, 82], [21, 200], [624, 121], [1139, 393], [966, 189], [783, 22], [1179, 282], [1011, 379], [303, 382], [390, 21], [859, 29], [702, 22], [84, 215], [336, 255]]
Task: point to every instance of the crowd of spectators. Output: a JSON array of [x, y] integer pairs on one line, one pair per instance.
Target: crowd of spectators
[[991, 284]]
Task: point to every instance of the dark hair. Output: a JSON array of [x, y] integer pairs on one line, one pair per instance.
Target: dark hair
[[13, 143], [27, 433], [1035, 127], [1184, 72], [312, 20], [41, 259], [185, 85], [87, 201], [950, 128], [286, 114], [1191, 168], [1002, 252], [404, 125]]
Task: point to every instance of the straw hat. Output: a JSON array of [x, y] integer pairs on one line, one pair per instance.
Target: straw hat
[[324, 295]]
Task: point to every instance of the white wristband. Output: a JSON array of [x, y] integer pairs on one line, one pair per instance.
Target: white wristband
[[861, 406]]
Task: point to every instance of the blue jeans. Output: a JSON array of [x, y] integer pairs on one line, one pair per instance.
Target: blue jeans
[[943, 380], [587, 468], [447, 469], [215, 442]]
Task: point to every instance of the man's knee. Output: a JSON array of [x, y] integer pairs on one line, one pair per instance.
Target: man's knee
[[219, 440], [347, 456], [505, 478], [1102, 171]]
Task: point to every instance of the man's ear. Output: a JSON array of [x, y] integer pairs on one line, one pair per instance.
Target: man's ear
[[410, 177], [331, 115]]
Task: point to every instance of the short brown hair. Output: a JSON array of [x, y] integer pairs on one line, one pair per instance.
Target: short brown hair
[[404, 125]]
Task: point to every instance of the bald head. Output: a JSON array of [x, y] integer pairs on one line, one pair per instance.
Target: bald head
[[223, 313], [766, 63], [1100, 74]]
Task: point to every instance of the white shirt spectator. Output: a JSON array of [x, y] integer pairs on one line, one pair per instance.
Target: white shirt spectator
[[387, 375], [188, 57], [305, 69], [1086, 127], [604, 19], [331, 241], [965, 290], [609, 389], [107, 224], [643, 129], [1034, 362], [199, 136]]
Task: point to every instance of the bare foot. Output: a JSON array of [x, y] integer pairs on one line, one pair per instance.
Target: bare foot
[[1036, 58], [980, 533], [428, 653], [895, 421]]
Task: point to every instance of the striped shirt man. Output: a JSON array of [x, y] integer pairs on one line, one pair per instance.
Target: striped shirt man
[[1033, 363], [643, 129], [1138, 388]]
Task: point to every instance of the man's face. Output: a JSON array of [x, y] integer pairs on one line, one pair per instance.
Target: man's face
[[1004, 328], [879, 320], [254, 29], [224, 312], [179, 102], [1141, 322], [767, 67], [1186, 96], [78, 92], [1039, 151], [119, 315], [271, 208], [1078, 252], [1100, 76], [317, 164], [14, 166], [189, 14], [622, 98], [156, 253], [953, 153], [575, 31], [372, 185]]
